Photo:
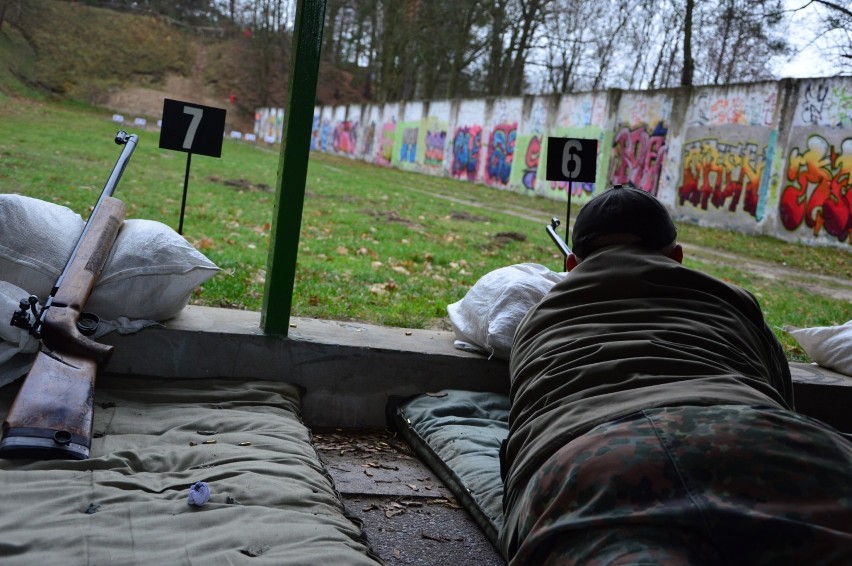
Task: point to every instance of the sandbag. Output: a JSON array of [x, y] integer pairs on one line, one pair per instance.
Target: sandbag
[[150, 273], [828, 346], [488, 315]]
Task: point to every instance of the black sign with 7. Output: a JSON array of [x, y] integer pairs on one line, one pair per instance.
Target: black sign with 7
[[192, 128]]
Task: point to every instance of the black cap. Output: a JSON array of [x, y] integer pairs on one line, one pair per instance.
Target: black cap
[[623, 210]]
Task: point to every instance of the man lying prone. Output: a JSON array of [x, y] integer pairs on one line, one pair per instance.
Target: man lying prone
[[652, 416]]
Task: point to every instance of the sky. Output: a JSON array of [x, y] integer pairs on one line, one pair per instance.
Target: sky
[[810, 61]]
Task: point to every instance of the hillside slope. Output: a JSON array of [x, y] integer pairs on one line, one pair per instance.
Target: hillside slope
[[129, 63]]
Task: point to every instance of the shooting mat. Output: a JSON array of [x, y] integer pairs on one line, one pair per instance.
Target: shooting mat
[[271, 500], [458, 435]]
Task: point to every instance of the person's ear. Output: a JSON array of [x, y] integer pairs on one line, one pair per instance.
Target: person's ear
[[677, 253], [571, 262]]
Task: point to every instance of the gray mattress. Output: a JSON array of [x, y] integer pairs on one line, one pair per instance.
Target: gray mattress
[[271, 501], [458, 434]]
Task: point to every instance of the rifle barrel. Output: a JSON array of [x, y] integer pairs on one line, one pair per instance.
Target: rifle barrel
[[129, 142]]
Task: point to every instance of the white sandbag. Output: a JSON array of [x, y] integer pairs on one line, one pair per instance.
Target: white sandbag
[[828, 346], [36, 239], [150, 273], [489, 314], [17, 347]]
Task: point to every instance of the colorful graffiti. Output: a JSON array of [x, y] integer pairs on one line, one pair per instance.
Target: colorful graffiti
[[721, 173], [638, 157], [435, 142], [325, 133], [501, 150], [466, 146], [345, 137], [315, 133], [531, 160], [269, 124], [385, 154], [408, 151], [825, 173], [576, 189]]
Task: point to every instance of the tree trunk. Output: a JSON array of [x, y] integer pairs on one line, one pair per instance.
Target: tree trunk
[[688, 63]]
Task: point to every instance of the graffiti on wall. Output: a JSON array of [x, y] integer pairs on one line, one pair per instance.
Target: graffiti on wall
[[315, 133], [269, 124], [531, 161], [574, 189], [818, 191], [345, 137], [369, 132], [822, 103], [325, 134], [385, 153], [408, 150], [466, 146], [638, 155], [501, 150], [746, 108], [722, 174], [435, 142]]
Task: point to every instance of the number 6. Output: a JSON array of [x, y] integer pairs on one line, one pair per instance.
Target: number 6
[[570, 156]]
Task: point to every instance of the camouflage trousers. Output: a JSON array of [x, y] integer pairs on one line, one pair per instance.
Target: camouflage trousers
[[693, 485]]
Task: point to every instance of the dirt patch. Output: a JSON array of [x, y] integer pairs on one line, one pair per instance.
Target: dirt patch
[[834, 287], [242, 185]]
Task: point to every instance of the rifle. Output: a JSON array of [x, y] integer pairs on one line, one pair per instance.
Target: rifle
[[557, 239], [51, 416]]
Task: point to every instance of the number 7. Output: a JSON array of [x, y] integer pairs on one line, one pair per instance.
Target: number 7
[[193, 126]]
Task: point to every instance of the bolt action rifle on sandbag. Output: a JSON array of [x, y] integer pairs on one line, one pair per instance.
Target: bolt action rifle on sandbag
[[52, 415], [557, 239]]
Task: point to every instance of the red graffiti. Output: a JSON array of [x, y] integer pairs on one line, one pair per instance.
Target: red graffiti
[[531, 163], [825, 174], [344, 137], [638, 157], [714, 172]]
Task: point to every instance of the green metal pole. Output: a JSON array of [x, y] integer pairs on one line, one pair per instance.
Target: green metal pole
[[293, 167]]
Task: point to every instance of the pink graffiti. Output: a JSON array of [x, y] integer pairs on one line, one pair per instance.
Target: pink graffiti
[[531, 160], [715, 171], [638, 157], [344, 138], [385, 153], [829, 204]]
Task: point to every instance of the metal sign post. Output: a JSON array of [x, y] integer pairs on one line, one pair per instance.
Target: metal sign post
[[571, 160], [191, 128]]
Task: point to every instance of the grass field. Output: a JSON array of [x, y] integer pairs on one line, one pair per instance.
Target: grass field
[[378, 245]]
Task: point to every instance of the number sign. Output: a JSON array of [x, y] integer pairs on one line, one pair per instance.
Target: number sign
[[192, 128], [572, 160]]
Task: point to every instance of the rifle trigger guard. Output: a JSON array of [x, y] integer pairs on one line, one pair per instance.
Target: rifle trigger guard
[[88, 323]]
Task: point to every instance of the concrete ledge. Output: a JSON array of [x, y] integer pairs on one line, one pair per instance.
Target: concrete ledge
[[350, 370]]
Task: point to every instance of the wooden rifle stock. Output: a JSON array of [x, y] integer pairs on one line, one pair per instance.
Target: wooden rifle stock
[[52, 415]]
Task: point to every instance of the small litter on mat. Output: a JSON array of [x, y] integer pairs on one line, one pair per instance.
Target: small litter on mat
[[199, 494], [245, 444], [207, 432], [92, 509], [211, 441]]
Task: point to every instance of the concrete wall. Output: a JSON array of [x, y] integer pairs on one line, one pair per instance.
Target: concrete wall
[[766, 158]]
